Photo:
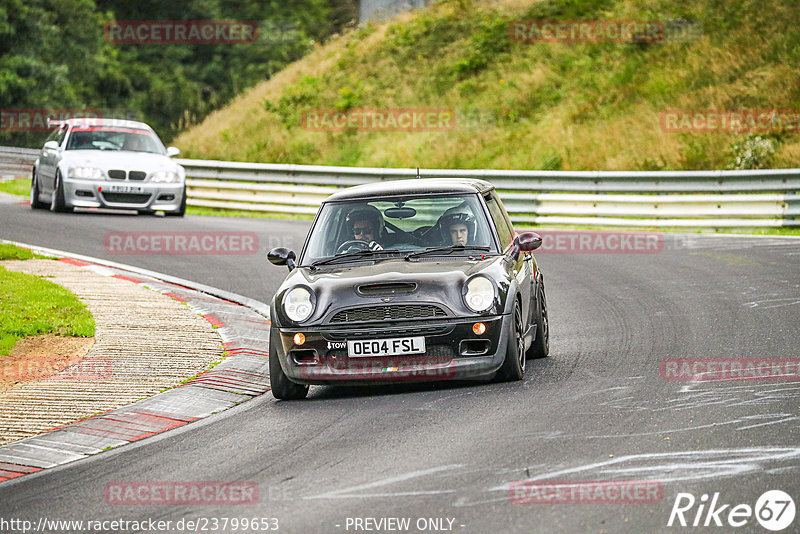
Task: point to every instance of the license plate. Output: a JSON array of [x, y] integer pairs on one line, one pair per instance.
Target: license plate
[[125, 189], [385, 347]]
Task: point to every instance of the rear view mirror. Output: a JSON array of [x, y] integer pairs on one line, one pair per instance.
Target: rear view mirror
[[173, 151], [51, 145], [400, 213]]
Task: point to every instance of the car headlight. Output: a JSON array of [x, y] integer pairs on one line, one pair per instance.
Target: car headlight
[[166, 177], [298, 304], [479, 294], [86, 173]]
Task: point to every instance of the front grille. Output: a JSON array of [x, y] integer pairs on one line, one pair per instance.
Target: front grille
[[136, 175], [392, 312], [126, 198], [116, 175]]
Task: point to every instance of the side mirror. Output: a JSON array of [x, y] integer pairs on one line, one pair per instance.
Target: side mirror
[[281, 256], [527, 241], [173, 151], [51, 145]]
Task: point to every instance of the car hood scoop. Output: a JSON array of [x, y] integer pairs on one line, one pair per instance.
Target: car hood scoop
[[386, 288]]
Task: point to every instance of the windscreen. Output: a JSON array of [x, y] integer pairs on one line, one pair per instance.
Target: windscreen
[[129, 139], [404, 224]]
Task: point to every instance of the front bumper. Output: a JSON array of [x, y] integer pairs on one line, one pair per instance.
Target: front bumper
[[453, 352], [148, 196]]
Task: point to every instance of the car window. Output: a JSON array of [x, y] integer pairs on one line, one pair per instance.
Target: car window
[[58, 134], [98, 138], [62, 132], [402, 223], [501, 221]]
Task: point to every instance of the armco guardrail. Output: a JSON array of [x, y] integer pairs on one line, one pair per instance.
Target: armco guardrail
[[17, 160], [714, 199]]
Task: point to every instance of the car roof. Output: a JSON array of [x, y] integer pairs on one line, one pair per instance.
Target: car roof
[[100, 121], [432, 186]]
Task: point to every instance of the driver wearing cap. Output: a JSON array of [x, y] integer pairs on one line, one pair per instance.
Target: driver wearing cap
[[367, 225]]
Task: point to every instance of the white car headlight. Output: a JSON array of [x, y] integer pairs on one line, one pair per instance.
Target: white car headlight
[[479, 295], [298, 304], [166, 177], [86, 173]]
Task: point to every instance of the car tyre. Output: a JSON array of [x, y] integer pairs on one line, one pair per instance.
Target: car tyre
[[540, 347], [282, 387], [36, 204], [514, 365], [57, 203], [181, 210]]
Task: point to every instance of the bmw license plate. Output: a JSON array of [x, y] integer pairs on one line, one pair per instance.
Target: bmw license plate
[[125, 188], [385, 347]]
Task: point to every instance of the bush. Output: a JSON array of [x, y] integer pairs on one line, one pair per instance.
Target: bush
[[754, 152]]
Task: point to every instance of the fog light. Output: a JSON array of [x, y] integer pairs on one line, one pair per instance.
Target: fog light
[[479, 328], [299, 339]]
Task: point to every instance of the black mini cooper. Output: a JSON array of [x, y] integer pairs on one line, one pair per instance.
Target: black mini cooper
[[407, 280]]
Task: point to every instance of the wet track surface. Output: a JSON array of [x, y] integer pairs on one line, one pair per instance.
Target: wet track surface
[[597, 409]]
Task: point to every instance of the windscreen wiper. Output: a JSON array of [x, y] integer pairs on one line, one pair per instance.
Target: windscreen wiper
[[352, 256], [447, 250]]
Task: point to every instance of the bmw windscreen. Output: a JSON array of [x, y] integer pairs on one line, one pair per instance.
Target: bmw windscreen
[[104, 138]]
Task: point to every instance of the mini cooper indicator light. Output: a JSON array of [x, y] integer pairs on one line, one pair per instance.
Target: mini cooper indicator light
[[479, 328], [299, 338]]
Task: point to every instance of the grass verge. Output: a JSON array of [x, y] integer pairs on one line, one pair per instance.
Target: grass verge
[[31, 306], [17, 186], [198, 210], [13, 252]]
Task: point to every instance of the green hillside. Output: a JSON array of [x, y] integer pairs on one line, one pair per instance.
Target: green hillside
[[529, 105]]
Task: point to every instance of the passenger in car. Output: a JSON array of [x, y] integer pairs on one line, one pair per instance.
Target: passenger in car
[[80, 140], [457, 228], [134, 143]]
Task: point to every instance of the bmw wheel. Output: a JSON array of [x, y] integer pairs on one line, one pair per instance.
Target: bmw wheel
[[36, 204], [57, 203]]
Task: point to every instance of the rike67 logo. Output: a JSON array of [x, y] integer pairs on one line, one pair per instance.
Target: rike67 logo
[[774, 510]]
